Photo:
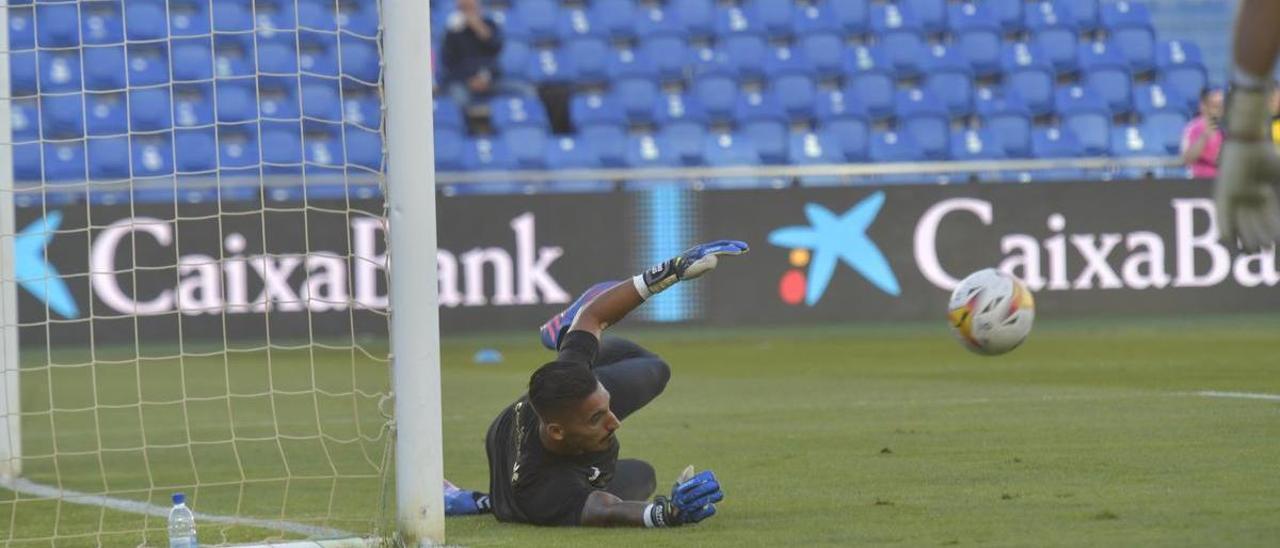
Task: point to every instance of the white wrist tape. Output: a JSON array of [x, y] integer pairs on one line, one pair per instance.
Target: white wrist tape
[[648, 516], [641, 288]]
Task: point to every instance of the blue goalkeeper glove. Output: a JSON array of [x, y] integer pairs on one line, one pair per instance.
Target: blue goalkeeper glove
[[692, 500], [694, 262]]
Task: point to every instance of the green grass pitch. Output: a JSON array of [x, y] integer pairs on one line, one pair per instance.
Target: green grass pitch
[[1091, 434]]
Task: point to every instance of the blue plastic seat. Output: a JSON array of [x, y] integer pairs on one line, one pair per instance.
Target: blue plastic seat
[[108, 158], [447, 114], [197, 150], [717, 94], [646, 150], [320, 101], [1106, 71], [320, 15], [236, 101], [824, 52], [24, 118], [906, 52], [238, 150], [359, 58], [483, 154], [630, 62], [22, 73], [449, 145], [744, 56], [726, 149], [1010, 119], [1129, 141], [1029, 75], [527, 146], [870, 81], [150, 109], [568, 152], [317, 54], [278, 98], [152, 155], [593, 108], [667, 55], [977, 35], [684, 140], [796, 94], [188, 17], [613, 18], [1085, 113], [538, 18], [363, 148], [923, 117], [22, 28], [549, 65], [949, 78], [278, 53], [891, 146], [931, 13], [1054, 30], [192, 59], [359, 18], [27, 162], [234, 56], [814, 148], [769, 137], [145, 20], [671, 108], [775, 16], [275, 17], [976, 144], [232, 15], [64, 161], [1008, 13], [1155, 98], [590, 58], [62, 116], [59, 71], [104, 68], [657, 19], [852, 137], [58, 25], [193, 105], [695, 17], [1053, 142], [636, 97], [1182, 69], [731, 19], [513, 110], [515, 60], [609, 143], [281, 147], [102, 22], [1165, 128], [820, 18]]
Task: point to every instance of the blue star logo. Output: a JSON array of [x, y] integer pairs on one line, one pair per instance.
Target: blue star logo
[[833, 239], [34, 272]]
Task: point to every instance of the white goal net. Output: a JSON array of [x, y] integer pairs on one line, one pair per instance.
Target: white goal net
[[193, 271]]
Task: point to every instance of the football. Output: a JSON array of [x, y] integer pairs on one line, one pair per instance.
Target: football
[[991, 312]]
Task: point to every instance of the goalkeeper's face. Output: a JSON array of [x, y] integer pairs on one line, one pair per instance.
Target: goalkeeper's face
[[589, 425]]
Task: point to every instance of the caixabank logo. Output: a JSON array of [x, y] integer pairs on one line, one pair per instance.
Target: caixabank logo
[[829, 240]]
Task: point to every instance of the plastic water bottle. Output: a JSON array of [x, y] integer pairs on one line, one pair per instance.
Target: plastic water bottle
[[182, 524]]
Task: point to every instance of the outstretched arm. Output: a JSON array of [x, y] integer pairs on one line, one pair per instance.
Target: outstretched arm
[[615, 303], [693, 499]]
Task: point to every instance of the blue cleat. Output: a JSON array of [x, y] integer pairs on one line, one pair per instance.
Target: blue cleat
[[464, 502], [558, 325]]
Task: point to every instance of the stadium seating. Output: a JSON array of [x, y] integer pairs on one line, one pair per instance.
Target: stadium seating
[[699, 81]]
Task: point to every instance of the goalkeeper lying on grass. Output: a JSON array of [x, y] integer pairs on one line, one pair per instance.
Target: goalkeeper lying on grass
[[553, 454]]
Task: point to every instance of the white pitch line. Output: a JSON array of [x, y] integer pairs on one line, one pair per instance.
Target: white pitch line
[[1238, 395], [45, 491]]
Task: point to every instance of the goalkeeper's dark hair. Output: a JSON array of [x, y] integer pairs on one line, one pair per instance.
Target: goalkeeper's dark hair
[[559, 385]]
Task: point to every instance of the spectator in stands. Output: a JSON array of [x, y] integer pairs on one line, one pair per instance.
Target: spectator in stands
[[1202, 138], [469, 55]]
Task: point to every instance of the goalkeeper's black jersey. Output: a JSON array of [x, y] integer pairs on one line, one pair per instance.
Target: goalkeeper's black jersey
[[528, 484]]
